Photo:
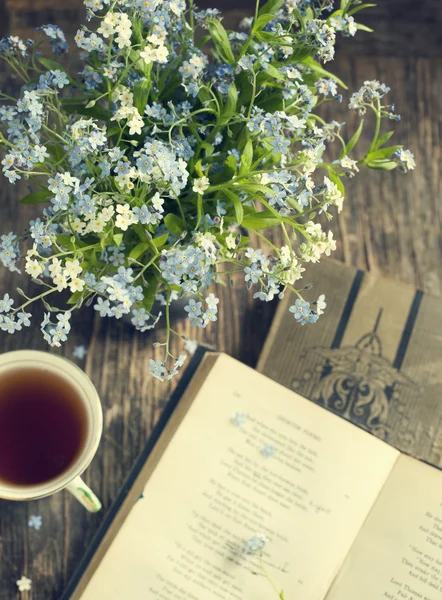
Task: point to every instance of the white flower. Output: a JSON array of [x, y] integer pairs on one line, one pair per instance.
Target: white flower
[[190, 346], [24, 584], [321, 305], [72, 268], [55, 267], [231, 242], [161, 54], [148, 54], [76, 285], [286, 256], [313, 229], [136, 124], [126, 97], [206, 242], [157, 39], [106, 29], [348, 163], [124, 220], [78, 226], [201, 185], [33, 267], [296, 122], [123, 209], [157, 203], [60, 281], [333, 195]]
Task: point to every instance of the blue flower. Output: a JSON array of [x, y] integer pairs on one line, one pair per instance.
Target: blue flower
[[35, 522], [239, 419], [246, 62], [59, 78], [156, 368], [139, 317], [253, 273], [6, 304], [193, 308], [9, 324], [300, 309], [210, 315], [103, 307], [79, 352], [255, 544], [268, 450]]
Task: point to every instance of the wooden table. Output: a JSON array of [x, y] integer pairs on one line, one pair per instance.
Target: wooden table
[[391, 224]]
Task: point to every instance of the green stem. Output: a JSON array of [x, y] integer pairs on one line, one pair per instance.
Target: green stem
[[20, 308], [377, 111]]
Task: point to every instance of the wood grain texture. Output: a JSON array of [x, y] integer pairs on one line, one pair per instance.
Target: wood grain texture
[[391, 224]]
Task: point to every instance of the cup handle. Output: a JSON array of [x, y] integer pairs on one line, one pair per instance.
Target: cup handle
[[84, 495]]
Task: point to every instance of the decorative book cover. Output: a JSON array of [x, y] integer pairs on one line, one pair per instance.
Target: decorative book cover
[[374, 358]]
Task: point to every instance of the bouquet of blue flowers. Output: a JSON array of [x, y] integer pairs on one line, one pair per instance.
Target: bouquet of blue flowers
[[177, 139]]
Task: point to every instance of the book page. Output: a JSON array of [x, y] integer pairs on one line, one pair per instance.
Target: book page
[[250, 459], [398, 553]]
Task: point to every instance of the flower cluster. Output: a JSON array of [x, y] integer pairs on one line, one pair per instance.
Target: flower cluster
[[159, 164]]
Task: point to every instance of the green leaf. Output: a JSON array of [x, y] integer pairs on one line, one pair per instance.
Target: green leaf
[[51, 65], [204, 95], [36, 197], [141, 95], [381, 165], [203, 41], [106, 239], [229, 109], [66, 241], [139, 250], [237, 205], [75, 298], [149, 293], [246, 158], [383, 153], [271, 7], [358, 8], [200, 210], [364, 28], [230, 163], [274, 72], [174, 224], [118, 239], [97, 111], [383, 139], [354, 140], [281, 595], [208, 148], [260, 220], [316, 68], [262, 21], [199, 169], [221, 41], [255, 188], [160, 241], [336, 180]]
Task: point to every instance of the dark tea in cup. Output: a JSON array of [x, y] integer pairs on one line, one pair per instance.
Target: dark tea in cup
[[43, 426]]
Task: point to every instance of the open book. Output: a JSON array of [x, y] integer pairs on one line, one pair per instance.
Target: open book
[[346, 516]]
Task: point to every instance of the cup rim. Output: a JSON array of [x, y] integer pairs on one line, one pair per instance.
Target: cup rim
[[63, 367]]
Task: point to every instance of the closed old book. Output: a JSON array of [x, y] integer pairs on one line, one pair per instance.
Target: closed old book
[[374, 358]]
